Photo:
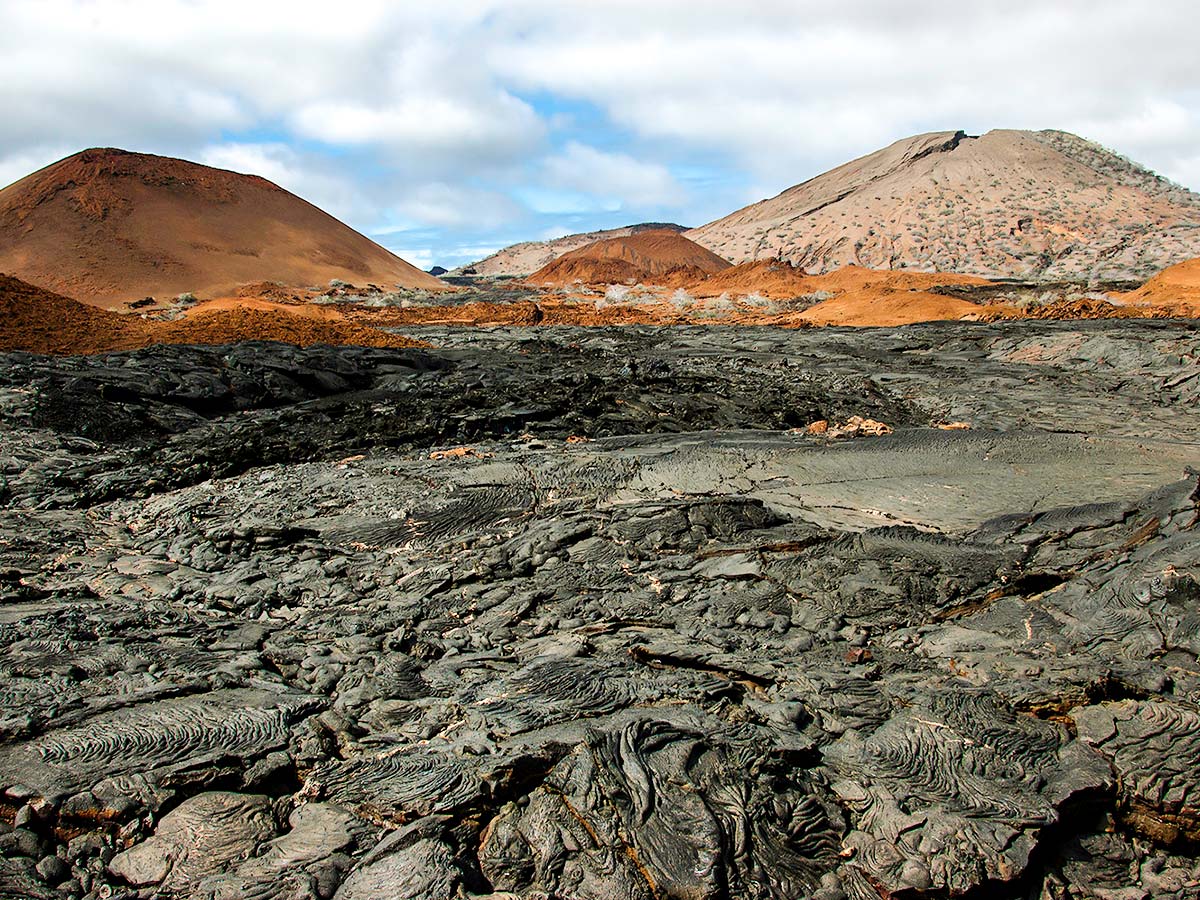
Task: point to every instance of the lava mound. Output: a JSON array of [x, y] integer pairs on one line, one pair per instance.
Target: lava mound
[[108, 226], [648, 255]]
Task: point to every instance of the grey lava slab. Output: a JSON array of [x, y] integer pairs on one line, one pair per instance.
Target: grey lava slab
[[156, 739]]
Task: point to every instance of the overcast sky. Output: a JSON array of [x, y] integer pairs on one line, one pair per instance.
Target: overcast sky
[[448, 129]]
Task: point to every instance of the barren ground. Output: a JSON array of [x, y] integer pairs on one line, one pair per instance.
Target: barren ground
[[576, 612]]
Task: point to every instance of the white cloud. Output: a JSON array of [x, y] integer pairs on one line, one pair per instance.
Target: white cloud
[[497, 129], [787, 88], [612, 175], [433, 114], [18, 165], [304, 176], [406, 79], [446, 205], [421, 257], [549, 201], [1183, 168]]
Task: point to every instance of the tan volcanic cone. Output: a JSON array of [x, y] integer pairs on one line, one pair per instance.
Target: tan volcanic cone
[[108, 226], [1026, 204]]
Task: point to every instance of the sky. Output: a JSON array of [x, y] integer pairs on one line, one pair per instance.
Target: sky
[[447, 130]]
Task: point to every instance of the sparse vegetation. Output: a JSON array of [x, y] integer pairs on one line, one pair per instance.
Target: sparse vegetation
[[681, 299]]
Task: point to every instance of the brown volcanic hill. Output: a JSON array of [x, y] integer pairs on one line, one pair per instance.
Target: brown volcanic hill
[[1028, 204], [635, 257], [109, 226], [529, 256], [41, 321]]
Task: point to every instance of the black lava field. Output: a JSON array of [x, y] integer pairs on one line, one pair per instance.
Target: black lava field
[[593, 613]]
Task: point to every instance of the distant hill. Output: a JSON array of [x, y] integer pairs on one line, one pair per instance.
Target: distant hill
[[1028, 204], [528, 257], [634, 257], [108, 226]]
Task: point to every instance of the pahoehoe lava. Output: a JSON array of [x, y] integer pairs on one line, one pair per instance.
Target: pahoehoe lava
[[589, 613]]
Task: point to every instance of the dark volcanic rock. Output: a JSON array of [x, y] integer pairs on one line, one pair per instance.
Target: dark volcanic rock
[[576, 613], [650, 809]]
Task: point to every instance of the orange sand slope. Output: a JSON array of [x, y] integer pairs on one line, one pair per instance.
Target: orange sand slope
[[300, 307], [1176, 288], [780, 280], [41, 321], [108, 226], [887, 307], [636, 257]]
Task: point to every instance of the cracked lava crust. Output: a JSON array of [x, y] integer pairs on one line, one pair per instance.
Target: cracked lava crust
[[594, 614]]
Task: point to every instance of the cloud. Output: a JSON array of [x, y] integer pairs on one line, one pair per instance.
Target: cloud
[[16, 166], [173, 74], [313, 178], [499, 126], [616, 176], [515, 117], [788, 88], [430, 105], [448, 205], [421, 257]]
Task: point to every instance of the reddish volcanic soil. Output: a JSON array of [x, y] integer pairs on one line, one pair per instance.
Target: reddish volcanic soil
[[779, 280], [856, 297], [41, 321], [1176, 288], [884, 307], [546, 311], [648, 255], [109, 227], [771, 278], [860, 296]]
